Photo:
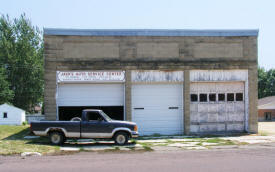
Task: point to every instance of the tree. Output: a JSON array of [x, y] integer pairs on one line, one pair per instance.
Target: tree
[[21, 54], [6, 95], [262, 83], [266, 82]]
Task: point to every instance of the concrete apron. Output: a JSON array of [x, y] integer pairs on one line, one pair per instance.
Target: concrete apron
[[166, 143]]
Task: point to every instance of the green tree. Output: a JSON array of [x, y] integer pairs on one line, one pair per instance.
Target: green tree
[[262, 82], [270, 81], [21, 54], [266, 82], [6, 95]]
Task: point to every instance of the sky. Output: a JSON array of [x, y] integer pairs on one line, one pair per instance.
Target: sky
[[154, 14]]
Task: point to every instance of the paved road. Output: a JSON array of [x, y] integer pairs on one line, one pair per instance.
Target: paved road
[[255, 158]]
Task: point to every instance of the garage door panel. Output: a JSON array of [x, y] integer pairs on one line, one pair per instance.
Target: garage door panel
[[159, 130], [157, 110], [239, 107], [153, 113], [165, 132], [90, 95], [167, 120], [156, 117], [235, 127], [158, 101]]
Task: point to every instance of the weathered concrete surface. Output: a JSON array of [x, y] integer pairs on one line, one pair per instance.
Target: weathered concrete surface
[[186, 91]]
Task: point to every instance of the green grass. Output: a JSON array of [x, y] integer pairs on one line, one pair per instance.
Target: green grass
[[12, 141], [214, 140], [263, 133]]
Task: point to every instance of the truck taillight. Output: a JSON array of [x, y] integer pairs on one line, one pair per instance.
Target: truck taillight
[[135, 128]]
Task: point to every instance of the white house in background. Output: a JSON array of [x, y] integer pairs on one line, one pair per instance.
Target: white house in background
[[10, 115]]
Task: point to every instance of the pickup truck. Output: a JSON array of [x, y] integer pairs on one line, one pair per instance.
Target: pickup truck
[[93, 124]]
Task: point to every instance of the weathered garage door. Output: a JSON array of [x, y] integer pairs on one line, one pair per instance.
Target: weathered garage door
[[90, 95], [217, 106], [157, 108]]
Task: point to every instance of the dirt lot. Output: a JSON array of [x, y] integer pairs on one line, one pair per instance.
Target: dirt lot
[[267, 128]]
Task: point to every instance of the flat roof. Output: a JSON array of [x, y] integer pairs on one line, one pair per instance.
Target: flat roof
[[148, 32]]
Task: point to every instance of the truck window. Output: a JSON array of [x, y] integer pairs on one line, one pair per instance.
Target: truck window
[[94, 116]]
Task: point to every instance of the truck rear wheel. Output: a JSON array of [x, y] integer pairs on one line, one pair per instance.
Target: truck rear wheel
[[57, 138], [121, 138]]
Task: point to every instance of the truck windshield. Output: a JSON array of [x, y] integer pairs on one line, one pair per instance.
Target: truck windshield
[[106, 116]]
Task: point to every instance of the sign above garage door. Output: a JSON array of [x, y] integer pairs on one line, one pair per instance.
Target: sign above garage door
[[157, 76], [90, 76]]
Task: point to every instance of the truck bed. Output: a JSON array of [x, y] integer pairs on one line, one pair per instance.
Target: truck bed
[[71, 128]]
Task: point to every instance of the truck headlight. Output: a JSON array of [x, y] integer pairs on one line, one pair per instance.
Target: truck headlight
[[135, 128]]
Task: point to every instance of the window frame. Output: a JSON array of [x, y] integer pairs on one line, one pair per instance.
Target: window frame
[[224, 100], [268, 116], [5, 115], [200, 98], [95, 112], [239, 100], [230, 100], [215, 97], [191, 97]]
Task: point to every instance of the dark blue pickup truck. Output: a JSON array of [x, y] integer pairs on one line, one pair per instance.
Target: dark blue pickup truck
[[93, 124]]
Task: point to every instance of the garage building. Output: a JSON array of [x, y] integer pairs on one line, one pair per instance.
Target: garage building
[[167, 81]]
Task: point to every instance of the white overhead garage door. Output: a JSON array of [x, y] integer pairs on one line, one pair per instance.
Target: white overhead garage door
[[90, 95], [157, 108]]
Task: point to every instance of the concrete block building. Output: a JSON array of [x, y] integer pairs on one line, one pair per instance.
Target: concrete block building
[[167, 81]]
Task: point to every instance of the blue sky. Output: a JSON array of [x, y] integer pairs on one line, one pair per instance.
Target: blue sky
[[154, 14]]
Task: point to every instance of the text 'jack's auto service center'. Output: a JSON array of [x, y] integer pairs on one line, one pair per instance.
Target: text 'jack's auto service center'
[[167, 81]]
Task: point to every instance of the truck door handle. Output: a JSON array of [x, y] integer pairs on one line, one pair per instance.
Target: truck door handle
[[139, 108], [173, 108]]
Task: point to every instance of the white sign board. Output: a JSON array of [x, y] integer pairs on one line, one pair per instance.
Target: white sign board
[[91, 76]]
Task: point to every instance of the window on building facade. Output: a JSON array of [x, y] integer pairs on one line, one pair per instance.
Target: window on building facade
[[267, 116], [194, 97], [230, 97], [221, 97], [239, 96], [212, 97], [203, 97], [5, 115]]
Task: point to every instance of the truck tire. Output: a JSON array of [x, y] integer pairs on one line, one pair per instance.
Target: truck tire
[[121, 138], [57, 138]]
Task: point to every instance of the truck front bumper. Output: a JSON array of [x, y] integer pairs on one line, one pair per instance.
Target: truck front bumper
[[134, 134]]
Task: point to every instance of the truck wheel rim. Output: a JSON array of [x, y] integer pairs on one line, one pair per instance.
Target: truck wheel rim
[[55, 138], [120, 139]]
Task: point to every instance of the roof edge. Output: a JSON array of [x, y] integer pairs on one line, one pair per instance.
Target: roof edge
[[150, 32], [12, 106]]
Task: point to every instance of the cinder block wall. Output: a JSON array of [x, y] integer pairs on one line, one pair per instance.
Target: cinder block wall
[[149, 53]]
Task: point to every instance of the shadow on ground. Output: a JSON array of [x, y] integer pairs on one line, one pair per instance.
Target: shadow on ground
[[45, 140], [18, 136]]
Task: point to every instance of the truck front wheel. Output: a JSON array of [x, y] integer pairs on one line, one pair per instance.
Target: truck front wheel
[[57, 138], [121, 138]]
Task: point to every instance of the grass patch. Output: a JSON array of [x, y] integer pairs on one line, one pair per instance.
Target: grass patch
[[12, 141], [263, 133], [133, 141], [199, 144], [147, 146], [214, 140]]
